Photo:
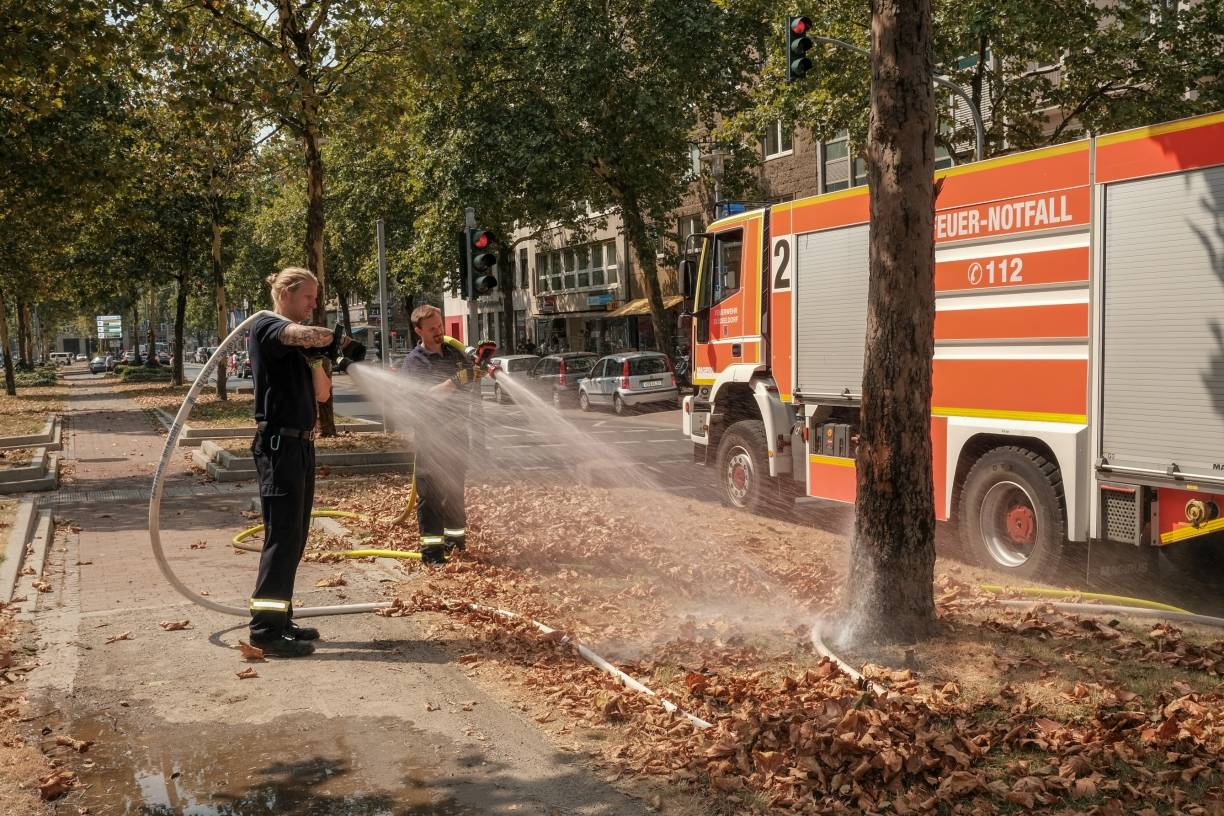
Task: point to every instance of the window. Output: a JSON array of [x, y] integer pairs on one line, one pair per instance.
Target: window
[[582, 259], [728, 259], [520, 365], [600, 370], [523, 271], [644, 366], [858, 171], [554, 270], [835, 172], [541, 272], [568, 259], [686, 226], [610, 262], [778, 141], [694, 168], [597, 270]]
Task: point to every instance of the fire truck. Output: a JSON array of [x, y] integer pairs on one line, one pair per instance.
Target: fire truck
[[1078, 371]]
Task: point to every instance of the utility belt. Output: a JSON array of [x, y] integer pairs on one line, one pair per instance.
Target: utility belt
[[275, 434]]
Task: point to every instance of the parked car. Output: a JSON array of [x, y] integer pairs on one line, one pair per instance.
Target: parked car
[[556, 376], [61, 357], [98, 365], [627, 380], [80, 358], [163, 357], [129, 357], [516, 365]]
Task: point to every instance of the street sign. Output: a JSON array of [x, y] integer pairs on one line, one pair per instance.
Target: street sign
[[110, 327]]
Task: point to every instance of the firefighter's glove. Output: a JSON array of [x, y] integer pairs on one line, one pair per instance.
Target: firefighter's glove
[[484, 352], [493, 370]]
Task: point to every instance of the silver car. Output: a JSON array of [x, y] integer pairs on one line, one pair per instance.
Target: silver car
[[515, 365], [627, 380]]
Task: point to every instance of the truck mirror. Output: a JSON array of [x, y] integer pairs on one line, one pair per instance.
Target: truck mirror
[[687, 268]]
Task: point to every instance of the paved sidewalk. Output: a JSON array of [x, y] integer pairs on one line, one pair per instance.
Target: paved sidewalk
[[382, 719]]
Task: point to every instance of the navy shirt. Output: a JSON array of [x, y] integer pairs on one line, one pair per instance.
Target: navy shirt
[[284, 390], [435, 367]]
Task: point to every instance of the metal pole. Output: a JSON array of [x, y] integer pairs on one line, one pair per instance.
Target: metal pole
[[382, 295], [979, 148], [469, 220]]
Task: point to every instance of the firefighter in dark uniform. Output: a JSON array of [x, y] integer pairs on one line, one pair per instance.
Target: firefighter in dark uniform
[[442, 434], [287, 369]]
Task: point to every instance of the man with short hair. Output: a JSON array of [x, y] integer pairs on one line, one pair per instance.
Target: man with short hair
[[442, 434], [288, 375]]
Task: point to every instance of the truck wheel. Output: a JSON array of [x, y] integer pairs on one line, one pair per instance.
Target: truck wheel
[[743, 465], [1012, 513]]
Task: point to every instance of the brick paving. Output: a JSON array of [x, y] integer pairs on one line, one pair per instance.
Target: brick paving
[[114, 447]]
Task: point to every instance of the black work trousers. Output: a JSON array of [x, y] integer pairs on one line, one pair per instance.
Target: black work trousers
[[440, 477], [286, 468]]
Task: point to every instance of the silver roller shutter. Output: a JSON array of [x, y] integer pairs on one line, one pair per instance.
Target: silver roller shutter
[[831, 297], [1163, 340]]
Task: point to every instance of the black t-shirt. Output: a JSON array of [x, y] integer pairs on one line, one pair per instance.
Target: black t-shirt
[[284, 390]]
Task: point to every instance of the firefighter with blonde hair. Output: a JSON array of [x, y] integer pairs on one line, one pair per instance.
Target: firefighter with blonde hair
[[290, 379]]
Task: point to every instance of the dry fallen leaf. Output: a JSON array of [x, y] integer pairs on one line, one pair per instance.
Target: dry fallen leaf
[[247, 673], [332, 581], [432, 706], [41, 586], [80, 746], [250, 652], [174, 626], [118, 637], [56, 785], [199, 545]]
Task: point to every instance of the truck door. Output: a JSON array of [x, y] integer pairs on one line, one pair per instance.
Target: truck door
[[728, 307]]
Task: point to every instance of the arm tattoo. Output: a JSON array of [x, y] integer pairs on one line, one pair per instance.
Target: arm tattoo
[[305, 336]]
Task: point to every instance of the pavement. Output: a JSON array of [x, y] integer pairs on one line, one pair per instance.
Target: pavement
[[381, 719]]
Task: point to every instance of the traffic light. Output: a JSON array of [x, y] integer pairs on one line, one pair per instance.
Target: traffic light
[[461, 282], [798, 43], [482, 252]]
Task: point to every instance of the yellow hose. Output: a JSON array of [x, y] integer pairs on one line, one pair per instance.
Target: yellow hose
[[379, 554], [1043, 592]]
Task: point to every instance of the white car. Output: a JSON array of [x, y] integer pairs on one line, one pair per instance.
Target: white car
[[514, 364]]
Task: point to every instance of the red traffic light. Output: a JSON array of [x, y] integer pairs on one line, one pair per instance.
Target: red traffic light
[[483, 239], [800, 25]]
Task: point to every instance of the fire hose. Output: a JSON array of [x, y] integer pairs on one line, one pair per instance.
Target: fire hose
[[155, 497]]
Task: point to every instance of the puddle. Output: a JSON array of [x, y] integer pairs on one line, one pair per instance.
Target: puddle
[[300, 765]]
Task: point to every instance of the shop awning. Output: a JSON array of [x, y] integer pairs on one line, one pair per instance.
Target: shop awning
[[641, 306]]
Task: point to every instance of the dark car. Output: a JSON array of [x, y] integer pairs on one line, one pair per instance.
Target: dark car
[[97, 365], [163, 357], [556, 376]]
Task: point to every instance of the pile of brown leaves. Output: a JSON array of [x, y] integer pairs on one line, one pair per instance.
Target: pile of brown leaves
[[673, 595]]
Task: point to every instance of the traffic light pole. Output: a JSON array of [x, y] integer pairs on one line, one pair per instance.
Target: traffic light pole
[[979, 150], [469, 223]]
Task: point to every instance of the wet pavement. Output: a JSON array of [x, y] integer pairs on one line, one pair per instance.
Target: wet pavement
[[296, 764]]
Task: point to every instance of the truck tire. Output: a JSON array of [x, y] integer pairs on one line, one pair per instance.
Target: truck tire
[[1013, 513], [743, 465]]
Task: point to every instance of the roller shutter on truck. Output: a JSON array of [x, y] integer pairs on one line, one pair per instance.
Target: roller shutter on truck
[[831, 297], [1163, 336]]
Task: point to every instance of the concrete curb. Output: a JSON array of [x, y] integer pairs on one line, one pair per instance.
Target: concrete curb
[[192, 437], [36, 559], [41, 474], [14, 550], [50, 437], [224, 466]]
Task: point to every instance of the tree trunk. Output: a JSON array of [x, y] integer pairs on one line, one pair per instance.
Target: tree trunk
[[180, 317], [10, 378], [136, 330], [644, 250], [151, 358], [345, 318], [23, 332], [218, 281], [506, 282], [314, 236], [892, 553]]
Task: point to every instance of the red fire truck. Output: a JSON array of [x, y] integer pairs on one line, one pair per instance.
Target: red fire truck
[[1078, 374]]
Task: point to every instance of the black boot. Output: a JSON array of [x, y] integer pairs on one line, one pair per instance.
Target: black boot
[[282, 645], [433, 555], [301, 632]]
